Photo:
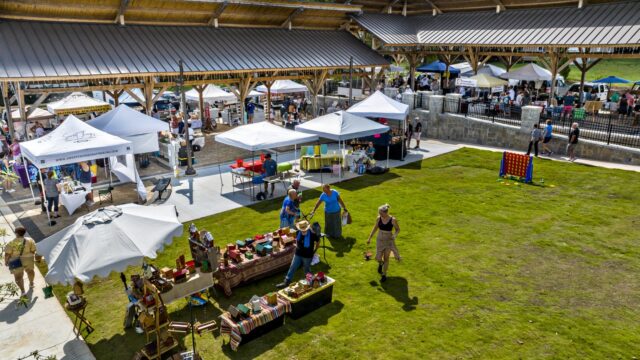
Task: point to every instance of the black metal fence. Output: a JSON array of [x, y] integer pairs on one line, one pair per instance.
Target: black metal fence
[[609, 128]]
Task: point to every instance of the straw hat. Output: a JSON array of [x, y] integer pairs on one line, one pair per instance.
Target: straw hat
[[303, 225]]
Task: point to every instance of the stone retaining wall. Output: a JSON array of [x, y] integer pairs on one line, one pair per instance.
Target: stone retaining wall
[[455, 127]]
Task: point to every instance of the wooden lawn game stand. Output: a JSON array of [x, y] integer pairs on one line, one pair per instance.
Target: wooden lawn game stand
[[78, 317], [164, 340]]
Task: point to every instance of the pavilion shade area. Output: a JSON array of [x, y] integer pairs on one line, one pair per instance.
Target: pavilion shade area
[[614, 24], [39, 50]]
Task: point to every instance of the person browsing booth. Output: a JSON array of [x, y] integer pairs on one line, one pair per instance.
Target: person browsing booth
[[270, 168], [307, 243]]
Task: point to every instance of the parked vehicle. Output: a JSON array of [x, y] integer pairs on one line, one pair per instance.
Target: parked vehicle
[[601, 90]]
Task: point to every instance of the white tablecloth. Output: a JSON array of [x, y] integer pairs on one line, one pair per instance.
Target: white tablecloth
[[73, 201], [351, 159]]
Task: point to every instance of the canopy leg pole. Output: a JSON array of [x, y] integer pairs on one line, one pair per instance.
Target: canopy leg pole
[[26, 170], [388, 148], [320, 162], [253, 174], [221, 183], [295, 156], [44, 194]]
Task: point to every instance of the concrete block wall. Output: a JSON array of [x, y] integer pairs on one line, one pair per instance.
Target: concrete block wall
[[455, 127]]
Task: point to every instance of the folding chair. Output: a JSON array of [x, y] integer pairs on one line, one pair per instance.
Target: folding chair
[[105, 195]]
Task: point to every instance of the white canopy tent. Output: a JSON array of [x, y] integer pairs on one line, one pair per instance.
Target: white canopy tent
[[108, 239], [379, 105], [342, 126], [283, 87], [529, 72], [486, 69], [262, 136], [37, 114], [77, 103], [71, 142], [129, 124], [211, 94]]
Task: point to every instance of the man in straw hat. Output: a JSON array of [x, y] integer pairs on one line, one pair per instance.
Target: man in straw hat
[[307, 243]]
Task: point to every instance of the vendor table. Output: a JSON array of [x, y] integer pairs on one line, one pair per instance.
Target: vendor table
[[318, 162], [242, 177], [243, 331], [73, 201], [395, 152], [258, 267], [197, 282], [311, 300], [255, 166], [283, 178]]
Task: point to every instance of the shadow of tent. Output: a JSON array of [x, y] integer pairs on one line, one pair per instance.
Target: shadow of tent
[[412, 164], [366, 181], [255, 348], [74, 349], [398, 288]]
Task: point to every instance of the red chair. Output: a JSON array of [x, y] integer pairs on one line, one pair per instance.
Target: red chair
[[262, 157]]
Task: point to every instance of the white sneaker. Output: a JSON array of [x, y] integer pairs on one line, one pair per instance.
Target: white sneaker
[[10, 190]]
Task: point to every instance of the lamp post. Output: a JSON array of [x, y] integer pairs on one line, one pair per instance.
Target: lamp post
[[183, 108], [350, 80]]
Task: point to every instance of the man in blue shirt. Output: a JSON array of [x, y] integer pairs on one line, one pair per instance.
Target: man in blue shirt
[[270, 168], [251, 108]]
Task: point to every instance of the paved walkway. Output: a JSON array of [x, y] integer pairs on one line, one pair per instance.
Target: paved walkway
[[44, 326]]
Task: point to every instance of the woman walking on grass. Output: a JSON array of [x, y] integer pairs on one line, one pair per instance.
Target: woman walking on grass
[[386, 240]]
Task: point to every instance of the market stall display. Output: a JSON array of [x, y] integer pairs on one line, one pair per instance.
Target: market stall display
[[254, 258], [308, 294], [283, 87], [246, 322], [380, 106], [73, 195]]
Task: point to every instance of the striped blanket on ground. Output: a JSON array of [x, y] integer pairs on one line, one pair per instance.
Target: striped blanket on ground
[[235, 329]]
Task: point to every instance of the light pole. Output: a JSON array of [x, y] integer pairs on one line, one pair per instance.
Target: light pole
[[350, 80], [183, 108]]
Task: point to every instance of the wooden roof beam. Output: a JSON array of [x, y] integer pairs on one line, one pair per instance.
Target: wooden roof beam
[[289, 22], [499, 6], [216, 14], [349, 8], [582, 3], [436, 10], [124, 4]]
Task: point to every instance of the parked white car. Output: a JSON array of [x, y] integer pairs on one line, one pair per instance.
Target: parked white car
[[601, 90]]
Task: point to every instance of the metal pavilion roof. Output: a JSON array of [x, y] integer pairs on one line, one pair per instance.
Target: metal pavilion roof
[[614, 24], [38, 50]]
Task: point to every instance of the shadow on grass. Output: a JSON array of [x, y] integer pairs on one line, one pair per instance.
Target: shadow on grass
[[340, 246], [398, 288], [257, 347]]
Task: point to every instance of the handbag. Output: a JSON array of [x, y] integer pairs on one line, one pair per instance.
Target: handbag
[[17, 263]]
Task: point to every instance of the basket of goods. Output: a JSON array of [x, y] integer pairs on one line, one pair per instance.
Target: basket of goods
[[240, 243]]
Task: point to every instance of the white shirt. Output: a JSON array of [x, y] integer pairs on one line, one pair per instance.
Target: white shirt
[[519, 99], [39, 132], [512, 94], [190, 134]]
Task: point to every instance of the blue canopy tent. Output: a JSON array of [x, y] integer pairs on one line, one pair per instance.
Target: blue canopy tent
[[437, 67], [612, 80]]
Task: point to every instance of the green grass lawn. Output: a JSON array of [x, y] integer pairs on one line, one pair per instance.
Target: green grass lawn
[[489, 270]]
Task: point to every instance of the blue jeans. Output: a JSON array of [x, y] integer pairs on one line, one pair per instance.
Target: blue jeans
[[295, 264]]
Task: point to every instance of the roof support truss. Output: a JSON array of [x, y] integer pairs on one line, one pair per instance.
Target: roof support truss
[[388, 9], [213, 21], [436, 10], [289, 22], [121, 10], [499, 6]]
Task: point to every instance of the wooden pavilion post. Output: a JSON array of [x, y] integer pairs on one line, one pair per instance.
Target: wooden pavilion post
[[115, 95], [267, 109], [200, 89], [246, 84], [21, 106], [473, 59], [413, 63], [148, 94], [554, 67], [315, 85], [7, 105], [584, 67]]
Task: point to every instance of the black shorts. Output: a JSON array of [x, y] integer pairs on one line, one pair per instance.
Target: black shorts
[[546, 140]]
